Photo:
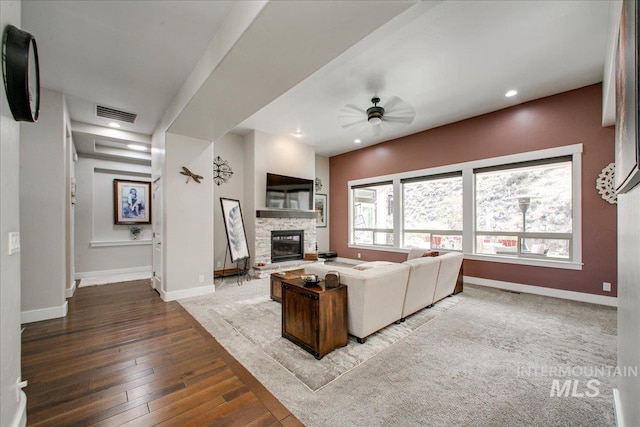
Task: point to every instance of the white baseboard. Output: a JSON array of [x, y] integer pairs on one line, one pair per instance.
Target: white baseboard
[[617, 405], [187, 293], [539, 290], [70, 290], [44, 314], [115, 272], [20, 418]]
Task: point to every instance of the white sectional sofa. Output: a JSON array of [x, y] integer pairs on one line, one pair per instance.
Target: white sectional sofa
[[380, 293]]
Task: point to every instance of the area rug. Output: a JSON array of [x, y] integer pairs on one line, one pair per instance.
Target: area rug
[[251, 312], [486, 361]]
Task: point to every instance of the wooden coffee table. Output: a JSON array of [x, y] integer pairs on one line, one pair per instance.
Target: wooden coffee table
[[315, 317]]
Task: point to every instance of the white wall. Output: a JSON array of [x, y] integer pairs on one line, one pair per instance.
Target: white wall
[[283, 156], [43, 211], [322, 172], [11, 409], [94, 220], [629, 302], [188, 241], [230, 148]]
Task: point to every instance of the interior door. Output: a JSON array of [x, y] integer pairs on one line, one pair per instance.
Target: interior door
[[157, 224]]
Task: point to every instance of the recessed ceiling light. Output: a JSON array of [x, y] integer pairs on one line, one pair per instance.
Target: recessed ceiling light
[[511, 93], [357, 141], [137, 147], [297, 134], [114, 125]]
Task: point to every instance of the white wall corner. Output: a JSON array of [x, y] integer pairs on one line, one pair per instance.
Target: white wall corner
[[71, 290], [187, 293], [20, 419], [539, 290], [44, 314]]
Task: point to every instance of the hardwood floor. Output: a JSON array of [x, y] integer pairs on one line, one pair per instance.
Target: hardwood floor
[[122, 356]]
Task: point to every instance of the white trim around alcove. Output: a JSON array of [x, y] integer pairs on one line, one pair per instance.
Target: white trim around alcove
[[115, 272]]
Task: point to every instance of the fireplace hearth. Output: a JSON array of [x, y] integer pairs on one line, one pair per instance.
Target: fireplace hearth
[[287, 245]]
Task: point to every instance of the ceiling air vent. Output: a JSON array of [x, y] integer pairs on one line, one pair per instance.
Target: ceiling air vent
[[113, 114]]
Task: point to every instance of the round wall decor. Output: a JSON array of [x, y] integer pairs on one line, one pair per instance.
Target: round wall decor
[[21, 73], [605, 184]]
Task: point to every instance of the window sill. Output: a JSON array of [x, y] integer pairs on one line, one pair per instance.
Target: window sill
[[565, 265]]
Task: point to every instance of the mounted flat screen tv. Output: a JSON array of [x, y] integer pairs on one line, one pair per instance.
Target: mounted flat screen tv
[[287, 192]]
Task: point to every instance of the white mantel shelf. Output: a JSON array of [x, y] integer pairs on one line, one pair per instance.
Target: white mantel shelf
[[286, 213]]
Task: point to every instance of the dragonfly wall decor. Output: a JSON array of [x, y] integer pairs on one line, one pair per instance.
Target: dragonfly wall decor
[[186, 172]]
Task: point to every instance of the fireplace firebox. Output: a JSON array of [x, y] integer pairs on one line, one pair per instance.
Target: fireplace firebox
[[287, 245]]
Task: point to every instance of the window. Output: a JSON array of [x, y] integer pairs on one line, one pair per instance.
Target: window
[[525, 210], [519, 209], [432, 212], [373, 214]]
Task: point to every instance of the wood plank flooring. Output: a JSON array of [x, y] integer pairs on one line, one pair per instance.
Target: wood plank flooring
[[122, 356]]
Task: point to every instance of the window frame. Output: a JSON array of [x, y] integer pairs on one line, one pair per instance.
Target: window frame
[[468, 196]]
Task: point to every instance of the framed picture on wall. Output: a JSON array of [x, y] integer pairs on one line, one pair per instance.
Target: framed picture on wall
[[321, 207], [627, 173], [234, 226], [132, 202]]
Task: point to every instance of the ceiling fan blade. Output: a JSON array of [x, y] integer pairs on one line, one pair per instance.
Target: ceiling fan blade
[[398, 119], [349, 124], [388, 106], [351, 109]]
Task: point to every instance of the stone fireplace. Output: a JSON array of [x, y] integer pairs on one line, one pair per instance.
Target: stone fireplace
[[268, 221]]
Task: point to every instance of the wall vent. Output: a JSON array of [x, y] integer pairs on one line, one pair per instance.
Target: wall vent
[[113, 114]]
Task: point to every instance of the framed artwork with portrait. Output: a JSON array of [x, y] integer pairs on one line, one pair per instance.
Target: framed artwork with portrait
[[132, 202]]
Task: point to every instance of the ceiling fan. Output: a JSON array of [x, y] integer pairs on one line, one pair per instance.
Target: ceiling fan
[[392, 111]]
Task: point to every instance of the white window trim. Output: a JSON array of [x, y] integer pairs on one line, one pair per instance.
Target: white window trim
[[468, 202]]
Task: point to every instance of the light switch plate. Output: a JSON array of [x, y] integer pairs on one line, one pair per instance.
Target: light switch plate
[[14, 243]]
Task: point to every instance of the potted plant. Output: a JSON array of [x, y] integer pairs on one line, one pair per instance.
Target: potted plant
[[135, 231]]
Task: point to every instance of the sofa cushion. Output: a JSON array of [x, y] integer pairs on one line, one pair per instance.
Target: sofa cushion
[[372, 264]]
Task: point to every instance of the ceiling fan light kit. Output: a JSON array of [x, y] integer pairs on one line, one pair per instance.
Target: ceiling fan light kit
[[375, 113]]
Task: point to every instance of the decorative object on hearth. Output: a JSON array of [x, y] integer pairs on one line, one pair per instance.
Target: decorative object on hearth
[[21, 73], [605, 184], [385, 112], [186, 172], [318, 184], [332, 279], [221, 170]]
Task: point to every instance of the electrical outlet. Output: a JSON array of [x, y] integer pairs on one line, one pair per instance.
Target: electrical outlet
[[14, 243], [359, 256], [201, 278], [218, 264], [606, 286]]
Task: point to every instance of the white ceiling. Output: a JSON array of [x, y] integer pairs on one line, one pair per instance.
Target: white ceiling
[[450, 60]]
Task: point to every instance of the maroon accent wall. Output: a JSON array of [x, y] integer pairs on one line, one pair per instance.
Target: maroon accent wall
[[568, 118]]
